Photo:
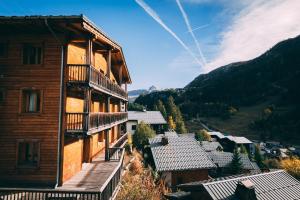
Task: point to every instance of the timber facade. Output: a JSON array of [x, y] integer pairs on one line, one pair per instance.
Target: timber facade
[[63, 97]]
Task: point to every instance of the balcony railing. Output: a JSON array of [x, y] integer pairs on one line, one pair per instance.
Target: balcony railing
[[78, 122], [106, 192], [89, 75]]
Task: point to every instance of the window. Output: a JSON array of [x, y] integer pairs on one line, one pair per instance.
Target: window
[[31, 101], [3, 49], [133, 127], [32, 54], [2, 95], [28, 153]]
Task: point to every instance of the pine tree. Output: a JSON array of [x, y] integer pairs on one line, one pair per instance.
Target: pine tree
[[171, 123], [180, 127], [258, 158], [236, 164], [171, 108], [243, 150], [161, 108]]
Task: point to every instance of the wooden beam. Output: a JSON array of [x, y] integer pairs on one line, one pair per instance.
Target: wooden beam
[[108, 61]]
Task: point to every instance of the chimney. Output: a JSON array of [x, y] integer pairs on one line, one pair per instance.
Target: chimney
[[164, 140], [245, 190]]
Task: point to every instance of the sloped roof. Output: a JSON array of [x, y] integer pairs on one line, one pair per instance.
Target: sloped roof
[[69, 22], [268, 186], [149, 117], [210, 146], [222, 159], [181, 153], [239, 140], [216, 133]]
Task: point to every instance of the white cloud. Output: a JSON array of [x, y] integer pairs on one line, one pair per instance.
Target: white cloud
[[258, 27]]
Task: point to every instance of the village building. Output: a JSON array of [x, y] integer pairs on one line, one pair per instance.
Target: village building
[[63, 85], [152, 118], [276, 185], [223, 159], [180, 159], [230, 142], [211, 146]]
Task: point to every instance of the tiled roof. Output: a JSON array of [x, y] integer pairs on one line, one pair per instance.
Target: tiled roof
[[149, 117], [168, 134], [210, 146], [239, 140], [277, 185], [181, 153], [222, 159]]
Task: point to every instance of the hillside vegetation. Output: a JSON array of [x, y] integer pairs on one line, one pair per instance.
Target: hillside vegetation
[[260, 97]]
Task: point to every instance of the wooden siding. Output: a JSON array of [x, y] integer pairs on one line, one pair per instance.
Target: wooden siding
[[41, 126], [73, 157], [189, 176]]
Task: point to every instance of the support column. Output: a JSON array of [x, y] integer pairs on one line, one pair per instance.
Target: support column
[[107, 105], [108, 61], [89, 52], [86, 107]]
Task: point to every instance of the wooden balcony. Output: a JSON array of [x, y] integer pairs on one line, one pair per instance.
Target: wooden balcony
[[93, 122], [88, 75]]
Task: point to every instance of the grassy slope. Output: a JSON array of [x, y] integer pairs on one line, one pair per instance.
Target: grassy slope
[[237, 125]]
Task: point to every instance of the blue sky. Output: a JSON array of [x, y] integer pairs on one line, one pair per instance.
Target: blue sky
[[154, 56]]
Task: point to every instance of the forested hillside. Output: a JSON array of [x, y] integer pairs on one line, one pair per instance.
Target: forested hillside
[[271, 80]]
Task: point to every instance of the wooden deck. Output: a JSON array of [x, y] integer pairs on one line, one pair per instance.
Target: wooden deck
[[92, 176]]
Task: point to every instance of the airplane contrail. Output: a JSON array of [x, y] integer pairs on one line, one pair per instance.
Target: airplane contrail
[[199, 27], [155, 16], [187, 22]]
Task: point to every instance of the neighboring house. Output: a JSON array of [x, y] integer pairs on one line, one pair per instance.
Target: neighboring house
[[229, 143], [211, 146], [223, 159], [63, 84], [153, 118], [276, 185], [216, 136], [180, 159]]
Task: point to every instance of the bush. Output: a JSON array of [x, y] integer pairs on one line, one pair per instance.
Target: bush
[[272, 163], [202, 135], [142, 134], [292, 166]]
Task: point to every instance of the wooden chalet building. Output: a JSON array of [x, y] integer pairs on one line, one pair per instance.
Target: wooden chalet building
[[63, 98]]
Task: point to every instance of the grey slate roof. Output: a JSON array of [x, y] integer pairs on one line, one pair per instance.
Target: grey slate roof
[[222, 159], [181, 153], [149, 117], [238, 140], [210, 146], [277, 185]]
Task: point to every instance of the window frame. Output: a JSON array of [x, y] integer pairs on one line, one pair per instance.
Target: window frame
[[133, 125], [5, 55], [34, 44], [20, 166], [3, 91], [21, 111]]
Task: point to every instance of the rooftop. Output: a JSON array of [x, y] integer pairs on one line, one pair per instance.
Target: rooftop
[[181, 153], [273, 185], [62, 24], [222, 159], [211, 146], [238, 140], [215, 133], [149, 117]]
